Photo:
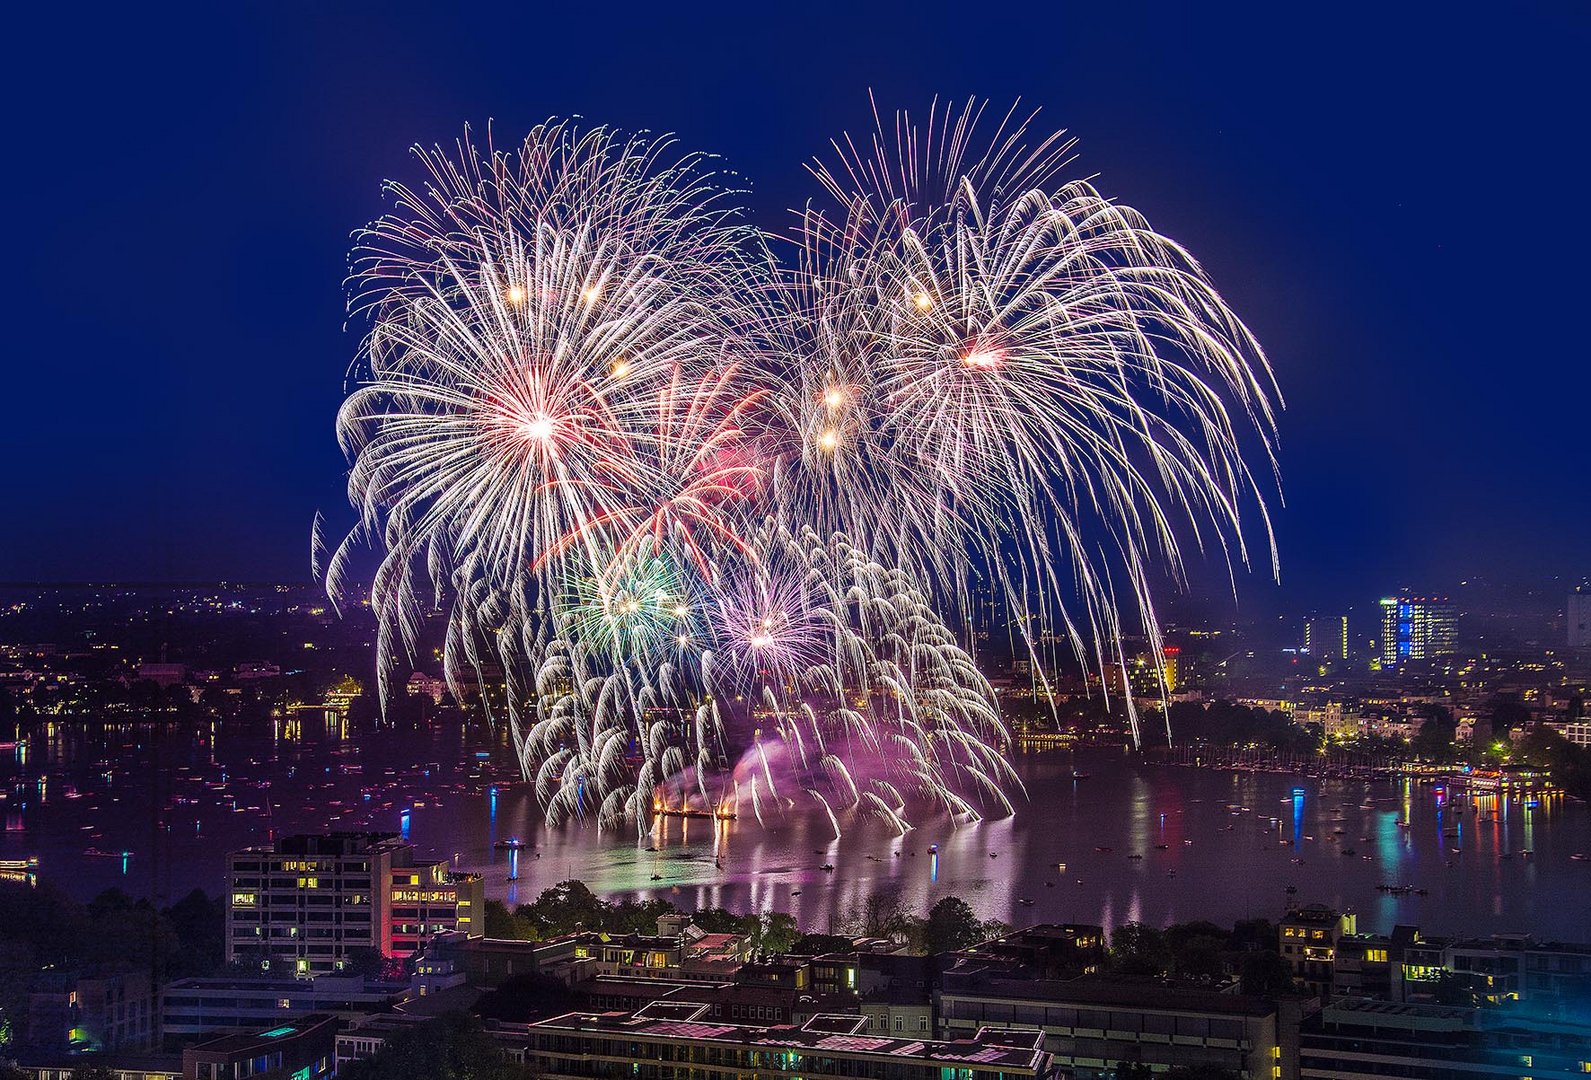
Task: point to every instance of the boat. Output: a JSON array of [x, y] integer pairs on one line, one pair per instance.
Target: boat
[[828, 867], [1135, 855], [1025, 902], [509, 845], [1580, 856], [933, 849], [678, 812], [1079, 775]]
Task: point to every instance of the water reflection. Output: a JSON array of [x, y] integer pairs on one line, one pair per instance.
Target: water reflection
[[1101, 837]]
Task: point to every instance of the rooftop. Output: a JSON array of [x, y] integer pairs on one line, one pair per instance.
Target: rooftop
[[1006, 1050]]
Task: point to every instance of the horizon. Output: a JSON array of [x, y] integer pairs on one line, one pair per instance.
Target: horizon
[[194, 437]]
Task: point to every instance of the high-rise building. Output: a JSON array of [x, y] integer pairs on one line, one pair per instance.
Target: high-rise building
[[1579, 618], [304, 904], [1326, 637], [1417, 628], [427, 899]]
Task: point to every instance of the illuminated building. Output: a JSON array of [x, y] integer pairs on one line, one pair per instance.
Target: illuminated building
[[1417, 628], [89, 1014], [1326, 637], [428, 900], [1362, 1038], [22, 871], [301, 906], [1171, 667], [1579, 618], [303, 1050], [1308, 938]]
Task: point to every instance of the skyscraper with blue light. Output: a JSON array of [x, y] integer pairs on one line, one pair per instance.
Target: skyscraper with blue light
[[1417, 628]]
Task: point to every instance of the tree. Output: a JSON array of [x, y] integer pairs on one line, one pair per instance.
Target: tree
[[951, 926], [1139, 949], [1197, 950], [199, 923], [450, 1046], [817, 944], [994, 928], [774, 932], [1250, 934], [1434, 740], [1264, 973], [884, 913], [632, 916], [717, 920], [503, 924], [564, 908]]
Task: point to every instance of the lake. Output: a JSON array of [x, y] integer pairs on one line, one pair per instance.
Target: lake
[[151, 809]]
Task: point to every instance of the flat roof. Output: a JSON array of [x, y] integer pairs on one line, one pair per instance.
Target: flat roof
[[829, 1032], [262, 1040], [1093, 990]]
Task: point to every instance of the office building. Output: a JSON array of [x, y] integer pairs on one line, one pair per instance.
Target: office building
[[304, 1050], [89, 1014], [1578, 613], [305, 904], [1416, 629], [427, 899], [190, 1007], [1092, 1023], [1357, 1039], [1326, 637]]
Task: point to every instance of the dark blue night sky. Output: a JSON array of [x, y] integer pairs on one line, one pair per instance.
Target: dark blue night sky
[[1394, 198]]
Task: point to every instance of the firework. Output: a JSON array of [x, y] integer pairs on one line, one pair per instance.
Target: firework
[[718, 515]]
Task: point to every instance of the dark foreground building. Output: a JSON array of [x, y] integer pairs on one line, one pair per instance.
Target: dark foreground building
[[676, 1039], [1372, 1040]]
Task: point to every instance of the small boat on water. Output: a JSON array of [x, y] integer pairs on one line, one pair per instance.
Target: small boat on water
[[1580, 856]]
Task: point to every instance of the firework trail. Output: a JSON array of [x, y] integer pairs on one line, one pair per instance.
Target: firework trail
[[684, 493]]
